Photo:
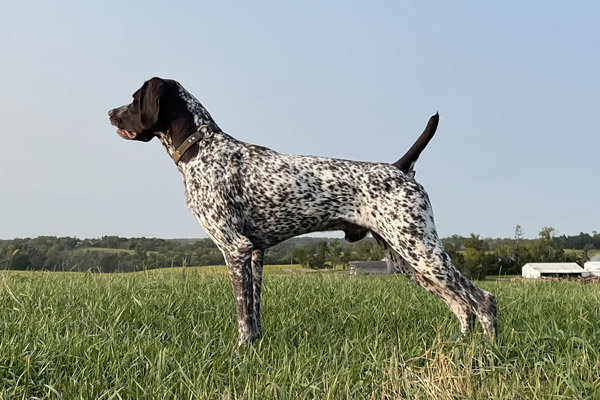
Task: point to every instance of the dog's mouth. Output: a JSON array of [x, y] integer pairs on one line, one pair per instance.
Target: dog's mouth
[[126, 134]]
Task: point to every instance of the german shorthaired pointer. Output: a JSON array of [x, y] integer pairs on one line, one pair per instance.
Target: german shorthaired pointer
[[248, 198]]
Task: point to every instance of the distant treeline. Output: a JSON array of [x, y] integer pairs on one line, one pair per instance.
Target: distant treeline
[[118, 254], [478, 257], [474, 256]]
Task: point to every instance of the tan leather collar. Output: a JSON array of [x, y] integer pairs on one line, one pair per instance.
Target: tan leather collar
[[203, 132]]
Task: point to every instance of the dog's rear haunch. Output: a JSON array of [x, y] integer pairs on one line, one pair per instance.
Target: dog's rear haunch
[[248, 198]]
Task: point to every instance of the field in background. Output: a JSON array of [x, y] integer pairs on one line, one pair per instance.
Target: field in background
[[591, 253], [172, 334], [103, 250]]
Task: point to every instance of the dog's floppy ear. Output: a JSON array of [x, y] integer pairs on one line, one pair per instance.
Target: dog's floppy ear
[[152, 93]]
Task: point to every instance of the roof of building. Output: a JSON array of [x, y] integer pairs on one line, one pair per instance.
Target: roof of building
[[555, 267], [368, 264]]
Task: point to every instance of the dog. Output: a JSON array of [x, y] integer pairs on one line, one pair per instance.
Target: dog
[[249, 198]]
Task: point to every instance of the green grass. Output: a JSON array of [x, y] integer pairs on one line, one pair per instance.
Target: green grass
[[171, 334], [591, 253], [104, 250]]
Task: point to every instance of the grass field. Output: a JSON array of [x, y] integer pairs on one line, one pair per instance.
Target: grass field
[[171, 334], [591, 253], [104, 250]]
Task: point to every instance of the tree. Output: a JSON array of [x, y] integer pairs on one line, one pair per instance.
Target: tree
[[335, 253], [457, 259], [453, 243], [20, 261], [473, 263], [347, 255], [507, 257], [474, 242], [108, 263], [586, 252], [319, 259], [519, 235], [368, 250], [546, 233], [301, 255], [544, 249], [518, 249]]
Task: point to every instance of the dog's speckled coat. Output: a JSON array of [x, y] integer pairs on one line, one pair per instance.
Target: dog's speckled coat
[[248, 198]]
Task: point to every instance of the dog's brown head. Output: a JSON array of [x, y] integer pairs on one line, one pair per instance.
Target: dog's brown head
[[155, 105]]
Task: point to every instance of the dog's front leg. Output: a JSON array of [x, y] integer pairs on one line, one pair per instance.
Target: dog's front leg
[[257, 269], [238, 258]]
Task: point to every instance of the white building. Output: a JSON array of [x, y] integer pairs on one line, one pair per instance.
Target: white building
[[592, 267], [383, 267], [555, 270]]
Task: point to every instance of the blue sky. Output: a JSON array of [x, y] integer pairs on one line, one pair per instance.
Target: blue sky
[[516, 85]]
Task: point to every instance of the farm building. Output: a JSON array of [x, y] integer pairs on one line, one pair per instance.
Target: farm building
[[382, 267], [592, 267], [554, 270]]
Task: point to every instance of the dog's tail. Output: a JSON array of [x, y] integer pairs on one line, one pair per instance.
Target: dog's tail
[[408, 160]]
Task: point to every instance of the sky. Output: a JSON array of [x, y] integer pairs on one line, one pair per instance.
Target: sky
[[516, 85]]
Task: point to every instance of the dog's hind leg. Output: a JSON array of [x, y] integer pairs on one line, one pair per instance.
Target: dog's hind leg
[[395, 258], [461, 310], [436, 274], [414, 238]]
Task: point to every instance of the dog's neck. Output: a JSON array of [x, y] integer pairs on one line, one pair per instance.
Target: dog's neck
[[181, 127], [199, 113]]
